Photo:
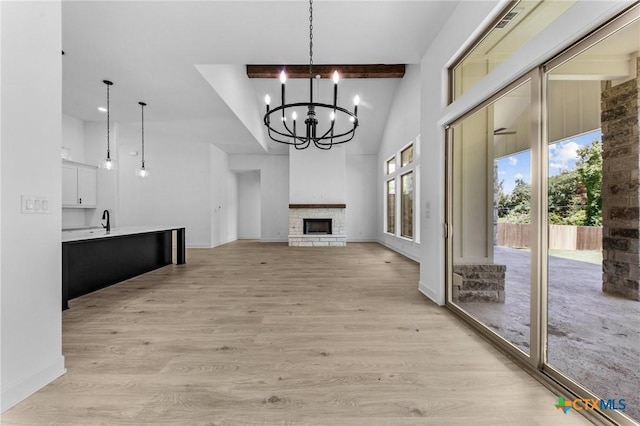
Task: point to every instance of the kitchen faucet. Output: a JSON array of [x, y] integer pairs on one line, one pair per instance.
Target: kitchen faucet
[[105, 214]]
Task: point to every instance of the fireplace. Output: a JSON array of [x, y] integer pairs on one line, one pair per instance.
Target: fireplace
[[317, 226]]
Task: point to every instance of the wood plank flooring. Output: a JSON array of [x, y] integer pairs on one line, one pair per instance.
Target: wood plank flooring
[[261, 334]]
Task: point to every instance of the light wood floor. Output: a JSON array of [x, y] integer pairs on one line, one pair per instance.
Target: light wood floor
[[257, 333]]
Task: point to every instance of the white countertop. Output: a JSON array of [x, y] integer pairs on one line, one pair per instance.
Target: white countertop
[[95, 233]]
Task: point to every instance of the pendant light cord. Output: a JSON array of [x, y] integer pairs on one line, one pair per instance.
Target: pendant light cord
[[310, 38], [108, 118], [142, 107]]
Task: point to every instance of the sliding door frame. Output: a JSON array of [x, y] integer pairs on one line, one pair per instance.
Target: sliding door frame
[[626, 18], [535, 352], [536, 362]]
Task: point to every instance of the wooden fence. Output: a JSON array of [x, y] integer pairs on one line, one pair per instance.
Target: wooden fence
[[562, 237]]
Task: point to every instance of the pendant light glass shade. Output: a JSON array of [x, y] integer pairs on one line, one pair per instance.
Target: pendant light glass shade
[[108, 163], [142, 171]]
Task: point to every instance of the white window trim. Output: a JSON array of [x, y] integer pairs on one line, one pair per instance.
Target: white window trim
[[413, 166]]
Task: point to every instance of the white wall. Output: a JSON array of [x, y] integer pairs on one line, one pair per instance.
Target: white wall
[[249, 210], [274, 192], [317, 176], [358, 185], [231, 83], [403, 126], [361, 190], [95, 149], [73, 137], [73, 134], [189, 185], [30, 141], [224, 199]]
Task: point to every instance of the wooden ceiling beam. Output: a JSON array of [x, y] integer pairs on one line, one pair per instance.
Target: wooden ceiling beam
[[326, 71]]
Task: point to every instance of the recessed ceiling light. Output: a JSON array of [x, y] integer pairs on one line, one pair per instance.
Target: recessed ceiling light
[[102, 109]]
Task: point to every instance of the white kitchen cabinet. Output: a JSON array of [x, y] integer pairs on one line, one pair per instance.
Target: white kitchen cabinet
[[79, 185]]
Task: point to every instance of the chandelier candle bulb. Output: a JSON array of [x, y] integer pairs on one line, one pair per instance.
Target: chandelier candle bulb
[[267, 101], [283, 80], [294, 116], [336, 78]]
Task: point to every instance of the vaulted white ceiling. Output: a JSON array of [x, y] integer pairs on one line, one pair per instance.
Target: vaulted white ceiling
[[186, 60]]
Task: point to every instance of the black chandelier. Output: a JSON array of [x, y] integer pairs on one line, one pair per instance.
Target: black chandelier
[[281, 132]]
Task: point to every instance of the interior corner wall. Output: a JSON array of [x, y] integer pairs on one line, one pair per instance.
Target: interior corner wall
[[361, 191], [224, 199], [30, 267], [249, 209], [403, 126], [73, 137], [274, 189], [178, 189], [274, 192]]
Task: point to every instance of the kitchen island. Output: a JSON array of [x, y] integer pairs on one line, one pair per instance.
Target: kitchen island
[[93, 259]]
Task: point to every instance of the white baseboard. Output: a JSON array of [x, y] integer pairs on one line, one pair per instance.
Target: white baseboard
[[422, 287], [274, 240], [405, 254], [19, 391], [199, 246]]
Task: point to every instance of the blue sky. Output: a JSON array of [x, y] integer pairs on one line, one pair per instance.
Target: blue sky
[[562, 157]]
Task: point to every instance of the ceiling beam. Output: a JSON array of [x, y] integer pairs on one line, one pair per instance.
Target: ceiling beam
[[326, 71]]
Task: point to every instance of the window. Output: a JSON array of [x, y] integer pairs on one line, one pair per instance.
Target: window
[[518, 24], [401, 178], [406, 205], [406, 155], [391, 165], [391, 206]]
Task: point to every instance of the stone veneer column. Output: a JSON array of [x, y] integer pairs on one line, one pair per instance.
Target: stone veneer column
[[620, 189]]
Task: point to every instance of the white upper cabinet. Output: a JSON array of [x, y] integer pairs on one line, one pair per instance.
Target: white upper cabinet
[[79, 188]]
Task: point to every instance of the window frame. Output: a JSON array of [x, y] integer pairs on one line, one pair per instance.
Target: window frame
[[402, 203], [396, 176]]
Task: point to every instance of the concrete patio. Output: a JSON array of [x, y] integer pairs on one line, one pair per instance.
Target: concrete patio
[[593, 337]]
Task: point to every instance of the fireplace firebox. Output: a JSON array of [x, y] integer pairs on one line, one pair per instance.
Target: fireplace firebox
[[317, 226]]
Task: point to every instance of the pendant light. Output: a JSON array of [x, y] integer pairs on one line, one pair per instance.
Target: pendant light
[[142, 172], [108, 163]]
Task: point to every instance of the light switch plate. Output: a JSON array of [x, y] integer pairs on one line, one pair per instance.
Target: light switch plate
[[31, 204]]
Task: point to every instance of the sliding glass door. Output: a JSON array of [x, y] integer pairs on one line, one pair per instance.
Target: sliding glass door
[[490, 181], [593, 308], [543, 220]]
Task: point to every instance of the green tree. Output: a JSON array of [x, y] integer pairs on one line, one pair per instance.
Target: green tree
[[516, 206], [589, 168], [501, 199], [564, 200]]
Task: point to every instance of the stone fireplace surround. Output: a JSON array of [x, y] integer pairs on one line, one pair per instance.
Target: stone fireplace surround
[[299, 212]]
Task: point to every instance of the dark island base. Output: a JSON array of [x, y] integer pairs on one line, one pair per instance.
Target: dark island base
[[89, 265]]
